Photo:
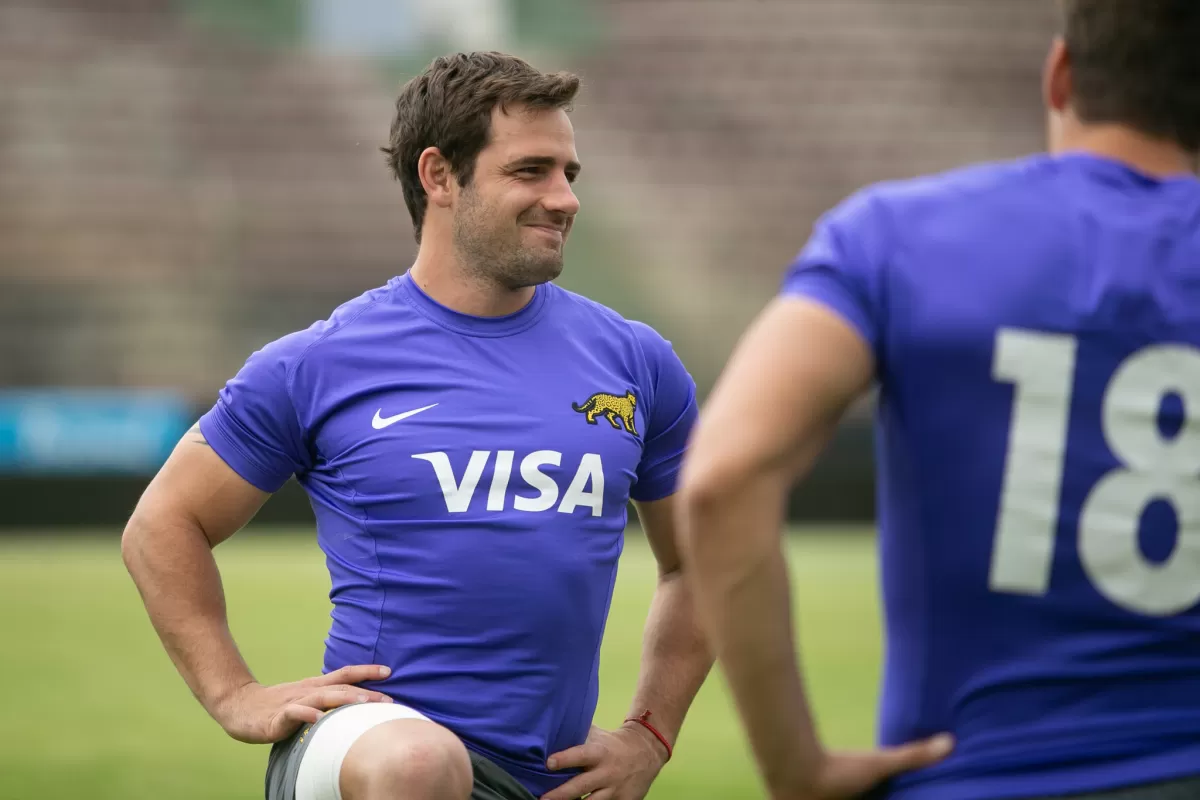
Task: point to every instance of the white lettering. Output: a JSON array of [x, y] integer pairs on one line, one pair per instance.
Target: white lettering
[[547, 488], [591, 470], [585, 490], [500, 478], [458, 495], [1152, 466]]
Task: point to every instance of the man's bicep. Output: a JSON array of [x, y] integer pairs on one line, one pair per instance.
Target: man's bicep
[[783, 392], [197, 487]]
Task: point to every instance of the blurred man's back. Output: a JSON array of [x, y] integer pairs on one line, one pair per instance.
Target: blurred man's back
[[1034, 329], [1040, 446]]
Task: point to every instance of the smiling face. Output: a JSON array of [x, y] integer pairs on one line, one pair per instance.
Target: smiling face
[[513, 216]]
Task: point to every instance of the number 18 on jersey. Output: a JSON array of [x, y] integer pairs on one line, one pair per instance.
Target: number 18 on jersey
[[1155, 464]]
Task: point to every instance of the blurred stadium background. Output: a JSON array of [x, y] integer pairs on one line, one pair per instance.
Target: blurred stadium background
[[182, 181]]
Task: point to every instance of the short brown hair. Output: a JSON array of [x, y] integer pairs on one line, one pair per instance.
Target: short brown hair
[[449, 106], [1137, 63]]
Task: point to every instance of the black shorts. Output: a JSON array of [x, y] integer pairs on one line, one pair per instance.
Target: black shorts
[[1179, 789], [283, 765]]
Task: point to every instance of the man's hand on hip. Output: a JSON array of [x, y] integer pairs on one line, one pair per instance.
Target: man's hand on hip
[[260, 714], [617, 765]]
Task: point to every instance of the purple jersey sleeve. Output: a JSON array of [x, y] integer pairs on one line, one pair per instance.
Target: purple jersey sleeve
[[839, 267], [670, 415], [253, 426]]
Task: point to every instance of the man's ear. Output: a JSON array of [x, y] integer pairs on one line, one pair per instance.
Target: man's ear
[[1057, 81], [437, 178]]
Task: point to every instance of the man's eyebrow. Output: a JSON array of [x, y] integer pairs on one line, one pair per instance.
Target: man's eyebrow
[[542, 161]]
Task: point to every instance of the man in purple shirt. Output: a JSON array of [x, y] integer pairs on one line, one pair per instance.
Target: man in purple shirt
[[1033, 328], [469, 435]]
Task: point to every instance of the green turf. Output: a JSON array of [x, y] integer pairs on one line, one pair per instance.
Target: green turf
[[95, 710]]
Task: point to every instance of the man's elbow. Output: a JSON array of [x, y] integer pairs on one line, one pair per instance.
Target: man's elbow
[[133, 542], [711, 484], [706, 496], [144, 535], [725, 510], [701, 492]]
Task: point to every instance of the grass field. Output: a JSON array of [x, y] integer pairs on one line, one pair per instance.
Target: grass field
[[95, 710]]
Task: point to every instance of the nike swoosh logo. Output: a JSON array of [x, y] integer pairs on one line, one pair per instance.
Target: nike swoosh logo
[[379, 423]]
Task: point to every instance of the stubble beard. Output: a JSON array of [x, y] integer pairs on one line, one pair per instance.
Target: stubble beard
[[499, 257]]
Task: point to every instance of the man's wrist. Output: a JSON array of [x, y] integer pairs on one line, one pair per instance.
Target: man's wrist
[[221, 701], [654, 736], [797, 778]]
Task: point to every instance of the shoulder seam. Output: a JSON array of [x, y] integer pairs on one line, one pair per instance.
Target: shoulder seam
[[878, 207], [651, 373], [291, 373]]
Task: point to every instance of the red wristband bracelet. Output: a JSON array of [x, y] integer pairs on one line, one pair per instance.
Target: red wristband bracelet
[[644, 720]]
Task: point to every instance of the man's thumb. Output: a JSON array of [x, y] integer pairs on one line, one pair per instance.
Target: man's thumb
[[916, 755]]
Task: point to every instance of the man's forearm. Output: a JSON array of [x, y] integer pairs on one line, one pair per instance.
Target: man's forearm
[[735, 555], [675, 658], [176, 574]]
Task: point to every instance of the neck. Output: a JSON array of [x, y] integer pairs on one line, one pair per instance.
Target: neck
[[440, 272], [1158, 158]]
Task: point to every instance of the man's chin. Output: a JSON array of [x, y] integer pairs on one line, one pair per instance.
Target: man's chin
[[535, 272], [552, 271]]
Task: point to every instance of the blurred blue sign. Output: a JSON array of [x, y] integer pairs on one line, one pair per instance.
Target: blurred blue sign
[[91, 431]]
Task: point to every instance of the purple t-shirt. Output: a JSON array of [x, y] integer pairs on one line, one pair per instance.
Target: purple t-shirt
[[1036, 329], [470, 479]]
